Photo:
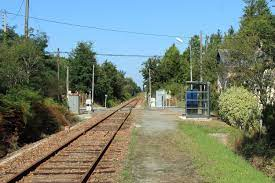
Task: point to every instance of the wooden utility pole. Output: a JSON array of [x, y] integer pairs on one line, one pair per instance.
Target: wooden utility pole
[[93, 84], [27, 19], [201, 56]]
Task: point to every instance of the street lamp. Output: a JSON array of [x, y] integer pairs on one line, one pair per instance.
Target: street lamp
[[106, 100], [179, 39]]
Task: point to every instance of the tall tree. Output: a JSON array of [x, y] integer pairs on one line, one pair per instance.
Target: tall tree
[[82, 60], [252, 53]]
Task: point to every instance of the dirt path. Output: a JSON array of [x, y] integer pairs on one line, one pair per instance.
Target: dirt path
[[156, 157]]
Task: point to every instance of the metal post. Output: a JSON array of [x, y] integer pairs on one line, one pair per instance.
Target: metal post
[[27, 19], [186, 109], [93, 83], [208, 99]]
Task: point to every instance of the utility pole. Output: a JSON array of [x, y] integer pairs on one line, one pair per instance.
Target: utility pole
[[93, 84], [58, 76], [67, 81], [191, 66], [201, 56], [4, 17], [27, 19], [58, 57], [150, 89], [206, 44]]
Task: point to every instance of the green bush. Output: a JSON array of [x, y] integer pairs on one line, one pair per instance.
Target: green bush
[[26, 116], [240, 108], [12, 122], [112, 102], [269, 120]]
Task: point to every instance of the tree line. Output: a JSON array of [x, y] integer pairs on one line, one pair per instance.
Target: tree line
[[26, 63], [32, 98], [252, 51]]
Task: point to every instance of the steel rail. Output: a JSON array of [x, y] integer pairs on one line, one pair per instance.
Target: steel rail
[[34, 165], [86, 177]]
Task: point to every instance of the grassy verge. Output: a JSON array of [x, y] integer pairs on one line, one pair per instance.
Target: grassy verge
[[126, 175], [215, 161]]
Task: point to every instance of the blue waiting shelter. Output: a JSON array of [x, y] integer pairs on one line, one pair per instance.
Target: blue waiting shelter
[[197, 99]]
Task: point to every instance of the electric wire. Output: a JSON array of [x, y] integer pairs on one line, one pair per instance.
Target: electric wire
[[110, 54], [19, 10], [99, 28]]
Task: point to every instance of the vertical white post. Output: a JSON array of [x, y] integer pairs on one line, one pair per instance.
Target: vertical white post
[[27, 19], [93, 84], [191, 66], [150, 89], [201, 56], [106, 101], [67, 81], [4, 14]]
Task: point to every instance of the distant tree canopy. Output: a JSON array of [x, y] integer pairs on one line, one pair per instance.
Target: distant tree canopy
[[108, 79], [31, 102], [26, 63], [252, 48]]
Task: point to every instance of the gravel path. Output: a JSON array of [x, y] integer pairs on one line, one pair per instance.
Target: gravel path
[[156, 155]]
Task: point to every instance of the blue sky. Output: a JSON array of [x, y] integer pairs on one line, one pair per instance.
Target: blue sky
[[173, 17]]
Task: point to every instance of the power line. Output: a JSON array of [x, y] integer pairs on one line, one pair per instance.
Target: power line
[[123, 55], [111, 55], [98, 28], [18, 12]]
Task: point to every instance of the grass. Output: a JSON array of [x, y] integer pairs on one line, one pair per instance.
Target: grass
[[215, 161], [126, 175]]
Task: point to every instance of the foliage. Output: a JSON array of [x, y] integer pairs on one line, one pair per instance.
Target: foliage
[[239, 108], [252, 51], [82, 60], [251, 60], [171, 71], [108, 79], [12, 123], [269, 119], [26, 116]]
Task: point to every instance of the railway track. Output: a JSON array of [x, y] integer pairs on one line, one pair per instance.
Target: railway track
[[77, 159]]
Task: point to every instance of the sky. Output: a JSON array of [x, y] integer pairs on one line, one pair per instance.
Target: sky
[[174, 17]]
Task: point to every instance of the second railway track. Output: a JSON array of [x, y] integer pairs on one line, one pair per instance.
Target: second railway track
[[76, 160]]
